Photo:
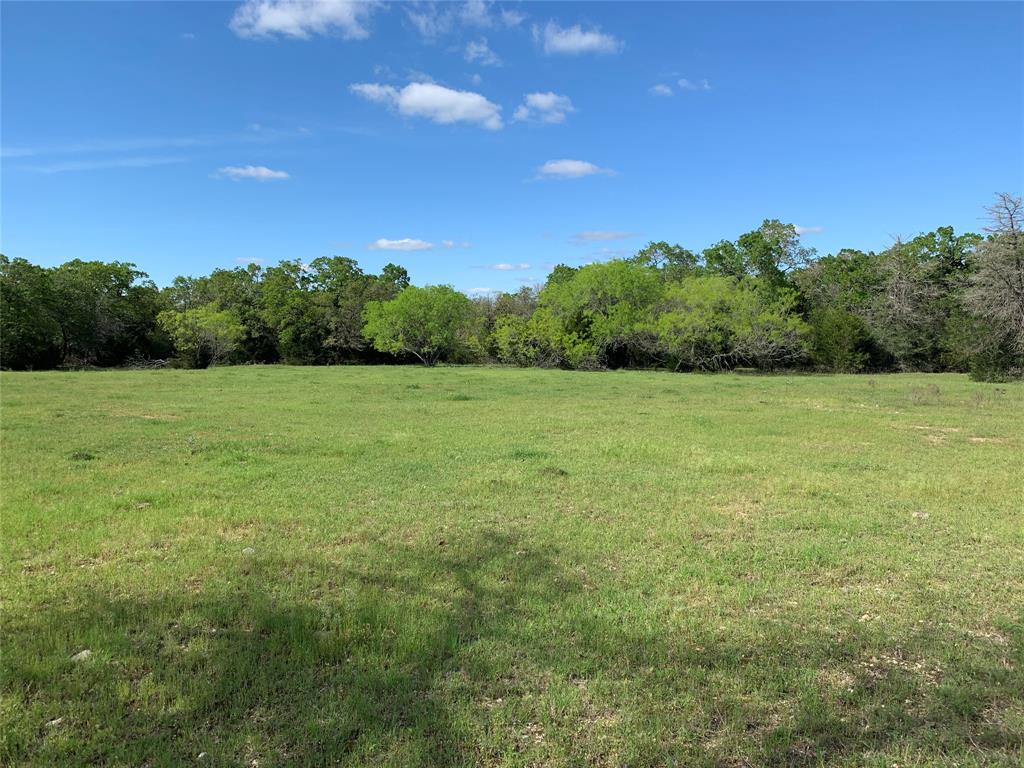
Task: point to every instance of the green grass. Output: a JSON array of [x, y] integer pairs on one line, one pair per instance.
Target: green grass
[[469, 566]]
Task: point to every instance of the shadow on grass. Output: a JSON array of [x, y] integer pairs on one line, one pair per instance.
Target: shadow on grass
[[475, 651]]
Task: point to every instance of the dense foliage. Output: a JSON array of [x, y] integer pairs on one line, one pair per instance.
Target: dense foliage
[[939, 302]]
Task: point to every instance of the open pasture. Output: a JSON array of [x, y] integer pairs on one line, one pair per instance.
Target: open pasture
[[399, 566]]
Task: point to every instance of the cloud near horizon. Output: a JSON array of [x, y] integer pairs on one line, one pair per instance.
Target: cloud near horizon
[[434, 102], [403, 244]]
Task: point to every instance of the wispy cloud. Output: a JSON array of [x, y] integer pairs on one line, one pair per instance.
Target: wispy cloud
[[480, 292], [453, 244], [476, 13], [244, 262], [100, 165], [809, 230], [404, 244], [434, 102], [506, 267], [255, 135], [660, 90], [690, 85], [545, 107], [480, 52], [601, 235], [574, 40], [255, 172], [571, 169], [303, 18], [511, 17], [434, 20]]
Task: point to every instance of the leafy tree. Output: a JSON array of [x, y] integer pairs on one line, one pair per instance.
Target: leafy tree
[[773, 252], [107, 312], [240, 291], [725, 258], [714, 322], [841, 341], [513, 341], [203, 336], [601, 314], [672, 261], [394, 276], [290, 309], [432, 323], [30, 335]]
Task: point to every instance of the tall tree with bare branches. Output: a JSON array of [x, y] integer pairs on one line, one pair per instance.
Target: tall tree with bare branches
[[996, 291]]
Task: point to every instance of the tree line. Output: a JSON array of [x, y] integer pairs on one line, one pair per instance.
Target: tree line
[[941, 301]]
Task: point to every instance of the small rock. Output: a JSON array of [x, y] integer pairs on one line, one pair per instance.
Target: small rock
[[920, 515], [202, 756], [248, 551], [55, 723], [82, 655]]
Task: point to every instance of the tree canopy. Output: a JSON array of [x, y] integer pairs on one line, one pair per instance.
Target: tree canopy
[[941, 300]]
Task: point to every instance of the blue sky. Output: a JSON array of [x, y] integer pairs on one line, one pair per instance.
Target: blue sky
[[478, 144]]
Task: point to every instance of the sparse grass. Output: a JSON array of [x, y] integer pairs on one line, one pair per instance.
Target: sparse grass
[[465, 566]]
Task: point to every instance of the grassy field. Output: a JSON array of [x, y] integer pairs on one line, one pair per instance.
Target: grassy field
[[465, 566]]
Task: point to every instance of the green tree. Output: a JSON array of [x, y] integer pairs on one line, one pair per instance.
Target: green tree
[[432, 323], [714, 322], [291, 310], [601, 315], [203, 336], [30, 336], [673, 262], [107, 311]]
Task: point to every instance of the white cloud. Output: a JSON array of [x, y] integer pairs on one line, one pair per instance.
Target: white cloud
[[434, 20], [545, 107], [511, 17], [476, 13], [570, 169], [602, 235], [434, 102], [478, 50], [509, 267], [575, 40], [689, 85], [481, 291], [430, 23], [661, 90], [453, 244], [303, 18], [257, 172], [475, 79], [809, 230], [405, 244], [415, 76]]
